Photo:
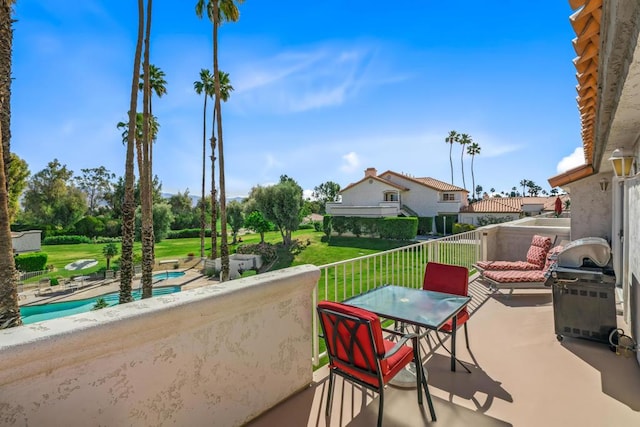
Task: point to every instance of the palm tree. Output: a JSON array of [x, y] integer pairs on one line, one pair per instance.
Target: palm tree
[[158, 85], [9, 309], [6, 46], [204, 85], [109, 251], [463, 140], [473, 150], [217, 11], [128, 205], [524, 183], [450, 139], [146, 199]]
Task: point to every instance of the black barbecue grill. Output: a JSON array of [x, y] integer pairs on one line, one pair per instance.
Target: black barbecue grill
[[584, 303]]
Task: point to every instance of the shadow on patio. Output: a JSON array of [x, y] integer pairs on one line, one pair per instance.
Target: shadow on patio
[[520, 375]]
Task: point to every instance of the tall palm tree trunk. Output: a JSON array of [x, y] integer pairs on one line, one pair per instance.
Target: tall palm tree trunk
[[224, 248], [451, 160], [9, 309], [464, 184], [145, 178], [204, 154], [128, 205], [473, 177], [6, 46], [214, 193]]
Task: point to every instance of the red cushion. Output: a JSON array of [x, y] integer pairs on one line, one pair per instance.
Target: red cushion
[[462, 317], [537, 253], [507, 265], [392, 365], [447, 278], [516, 276]]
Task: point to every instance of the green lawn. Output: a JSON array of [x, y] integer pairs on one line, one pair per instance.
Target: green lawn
[[316, 253]]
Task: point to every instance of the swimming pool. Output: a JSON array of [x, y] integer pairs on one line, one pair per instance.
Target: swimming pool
[[38, 313], [168, 275]]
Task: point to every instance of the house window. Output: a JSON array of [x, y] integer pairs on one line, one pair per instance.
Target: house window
[[390, 197], [448, 197]]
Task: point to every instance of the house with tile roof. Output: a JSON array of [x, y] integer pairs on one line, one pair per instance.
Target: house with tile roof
[[508, 208], [395, 194]]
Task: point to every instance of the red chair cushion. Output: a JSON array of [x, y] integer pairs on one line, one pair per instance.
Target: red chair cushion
[[537, 253], [507, 265], [364, 355], [450, 279], [461, 318], [516, 276]]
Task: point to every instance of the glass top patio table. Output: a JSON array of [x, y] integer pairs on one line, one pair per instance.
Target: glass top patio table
[[428, 309]]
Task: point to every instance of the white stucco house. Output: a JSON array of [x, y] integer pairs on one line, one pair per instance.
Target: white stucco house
[[392, 194]]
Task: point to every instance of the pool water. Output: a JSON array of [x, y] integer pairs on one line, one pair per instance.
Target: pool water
[[38, 313], [168, 275]]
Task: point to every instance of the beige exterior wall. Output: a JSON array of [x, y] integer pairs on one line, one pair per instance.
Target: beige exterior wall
[[632, 240], [26, 241], [218, 355], [426, 201], [510, 242], [591, 208], [367, 193]]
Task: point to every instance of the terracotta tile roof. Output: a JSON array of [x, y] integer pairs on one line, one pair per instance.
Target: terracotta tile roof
[[510, 204], [429, 182], [586, 24]]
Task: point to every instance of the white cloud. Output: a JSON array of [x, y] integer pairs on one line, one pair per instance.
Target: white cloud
[[571, 161], [351, 162], [297, 81]]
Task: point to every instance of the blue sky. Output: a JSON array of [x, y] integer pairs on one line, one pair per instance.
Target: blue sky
[[323, 90]]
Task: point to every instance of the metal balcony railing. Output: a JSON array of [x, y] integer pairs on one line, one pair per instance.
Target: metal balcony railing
[[402, 266]]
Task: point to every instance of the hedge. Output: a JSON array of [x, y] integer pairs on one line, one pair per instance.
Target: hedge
[[187, 233], [36, 261], [402, 228], [66, 240]]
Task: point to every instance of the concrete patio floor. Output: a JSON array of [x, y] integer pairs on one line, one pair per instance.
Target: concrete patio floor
[[521, 375]]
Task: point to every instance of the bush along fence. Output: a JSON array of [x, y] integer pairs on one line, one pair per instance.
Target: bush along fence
[[401, 228]]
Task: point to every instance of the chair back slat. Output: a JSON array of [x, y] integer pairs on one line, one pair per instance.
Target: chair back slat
[[451, 279]]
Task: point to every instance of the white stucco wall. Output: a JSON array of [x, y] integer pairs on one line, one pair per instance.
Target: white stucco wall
[[218, 355], [632, 282], [424, 200], [367, 193], [26, 241], [590, 209]]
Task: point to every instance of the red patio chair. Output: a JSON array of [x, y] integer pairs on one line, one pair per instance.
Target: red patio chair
[[358, 352], [450, 279]]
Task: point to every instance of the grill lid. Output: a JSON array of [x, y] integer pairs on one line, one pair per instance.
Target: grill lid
[[583, 251]]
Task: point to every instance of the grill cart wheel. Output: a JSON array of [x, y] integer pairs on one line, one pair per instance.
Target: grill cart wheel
[[559, 337]]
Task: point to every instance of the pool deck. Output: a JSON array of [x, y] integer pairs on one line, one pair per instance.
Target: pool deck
[[191, 279]]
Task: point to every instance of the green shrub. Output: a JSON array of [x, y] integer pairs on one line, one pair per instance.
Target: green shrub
[[103, 240], [306, 226], [266, 250], [401, 228], [53, 281], [449, 219], [462, 227], [36, 261], [100, 303], [317, 226], [187, 233], [66, 240], [327, 225], [425, 225]]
